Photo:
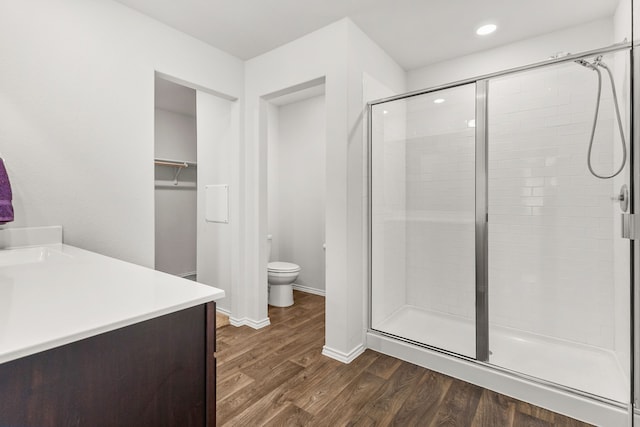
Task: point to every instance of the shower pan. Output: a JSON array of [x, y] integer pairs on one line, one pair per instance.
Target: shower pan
[[490, 240]]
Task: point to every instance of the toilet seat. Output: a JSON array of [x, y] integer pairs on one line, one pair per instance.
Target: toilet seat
[[283, 267]]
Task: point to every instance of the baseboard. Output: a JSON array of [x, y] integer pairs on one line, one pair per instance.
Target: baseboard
[[309, 290], [223, 311], [236, 322], [244, 321], [343, 357]]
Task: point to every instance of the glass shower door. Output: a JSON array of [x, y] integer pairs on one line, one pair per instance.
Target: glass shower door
[[423, 219], [559, 305]]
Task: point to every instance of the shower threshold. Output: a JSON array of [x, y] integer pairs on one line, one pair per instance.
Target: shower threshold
[[583, 367]]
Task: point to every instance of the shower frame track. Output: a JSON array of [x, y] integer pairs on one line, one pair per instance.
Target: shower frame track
[[617, 47]]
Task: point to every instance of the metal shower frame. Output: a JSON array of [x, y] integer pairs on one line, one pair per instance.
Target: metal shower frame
[[481, 216]]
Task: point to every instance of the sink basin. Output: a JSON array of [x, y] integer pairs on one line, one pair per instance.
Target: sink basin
[[9, 257]]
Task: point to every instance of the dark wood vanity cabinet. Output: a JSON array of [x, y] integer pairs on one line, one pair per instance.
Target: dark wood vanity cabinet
[[159, 372]]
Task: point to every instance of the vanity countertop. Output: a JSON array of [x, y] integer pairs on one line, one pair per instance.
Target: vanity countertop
[[55, 294]]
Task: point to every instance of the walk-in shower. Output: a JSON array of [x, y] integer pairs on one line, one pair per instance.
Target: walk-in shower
[[491, 240]]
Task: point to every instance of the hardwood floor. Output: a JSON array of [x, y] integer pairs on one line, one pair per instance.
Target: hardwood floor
[[276, 376]]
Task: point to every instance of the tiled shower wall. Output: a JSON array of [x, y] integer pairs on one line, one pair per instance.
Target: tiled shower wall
[[551, 246], [441, 202], [550, 221], [551, 228]]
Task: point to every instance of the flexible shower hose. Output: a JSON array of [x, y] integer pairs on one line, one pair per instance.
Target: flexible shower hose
[[595, 119]]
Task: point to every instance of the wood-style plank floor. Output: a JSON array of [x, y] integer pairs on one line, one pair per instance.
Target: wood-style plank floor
[[276, 376]]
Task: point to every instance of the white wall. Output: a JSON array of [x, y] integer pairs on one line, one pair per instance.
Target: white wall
[[77, 108], [175, 135], [175, 234], [340, 53], [217, 243], [572, 40], [366, 60], [297, 189], [175, 206], [319, 54], [273, 179]]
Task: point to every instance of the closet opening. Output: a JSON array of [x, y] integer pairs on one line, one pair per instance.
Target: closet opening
[[175, 155]]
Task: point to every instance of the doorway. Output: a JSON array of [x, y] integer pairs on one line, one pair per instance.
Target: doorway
[[196, 185], [296, 175]]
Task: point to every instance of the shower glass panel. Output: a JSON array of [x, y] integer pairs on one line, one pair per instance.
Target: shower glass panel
[[422, 219], [558, 269]]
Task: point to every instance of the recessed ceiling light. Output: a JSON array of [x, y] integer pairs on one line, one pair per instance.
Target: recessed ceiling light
[[438, 101], [486, 29]]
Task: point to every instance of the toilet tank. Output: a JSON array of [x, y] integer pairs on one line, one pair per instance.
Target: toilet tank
[[269, 247]]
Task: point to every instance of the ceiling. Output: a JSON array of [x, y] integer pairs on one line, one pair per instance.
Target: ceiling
[[413, 32]]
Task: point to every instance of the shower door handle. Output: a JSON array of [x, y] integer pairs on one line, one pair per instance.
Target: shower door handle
[[623, 198], [630, 226]]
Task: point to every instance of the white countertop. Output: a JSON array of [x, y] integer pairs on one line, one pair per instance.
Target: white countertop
[[54, 294]]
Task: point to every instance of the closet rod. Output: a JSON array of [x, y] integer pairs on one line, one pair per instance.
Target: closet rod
[[174, 164]]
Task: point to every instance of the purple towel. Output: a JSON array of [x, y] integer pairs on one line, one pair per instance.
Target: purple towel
[[6, 208]]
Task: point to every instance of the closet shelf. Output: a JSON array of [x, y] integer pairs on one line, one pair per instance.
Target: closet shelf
[[172, 184], [177, 164]]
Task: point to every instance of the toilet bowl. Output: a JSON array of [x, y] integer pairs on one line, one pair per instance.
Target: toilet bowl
[[281, 276]]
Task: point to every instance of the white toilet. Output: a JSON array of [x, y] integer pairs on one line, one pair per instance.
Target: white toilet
[[281, 276]]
